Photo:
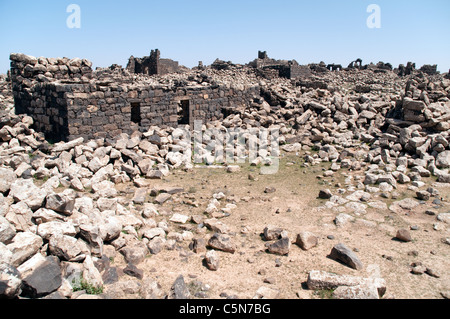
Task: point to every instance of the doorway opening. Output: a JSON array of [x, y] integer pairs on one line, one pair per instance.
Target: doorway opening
[[136, 113], [184, 112]]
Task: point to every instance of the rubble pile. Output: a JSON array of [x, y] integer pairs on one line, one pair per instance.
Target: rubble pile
[[61, 219]]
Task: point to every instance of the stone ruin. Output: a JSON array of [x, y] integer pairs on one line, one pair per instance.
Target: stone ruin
[[334, 67], [355, 64], [68, 100], [152, 65], [271, 68]]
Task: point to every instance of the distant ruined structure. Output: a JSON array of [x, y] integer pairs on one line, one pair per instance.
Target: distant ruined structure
[[357, 64], [152, 65], [270, 68], [334, 67]]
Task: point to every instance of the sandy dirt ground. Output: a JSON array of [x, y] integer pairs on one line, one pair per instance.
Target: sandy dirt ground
[[294, 206]]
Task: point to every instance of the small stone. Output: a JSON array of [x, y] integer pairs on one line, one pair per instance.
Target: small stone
[[179, 218], [306, 240], [280, 247], [199, 245], [23, 246], [437, 202], [418, 270], [134, 254], [423, 195], [162, 198], [179, 289], [444, 217], [269, 190], [403, 235], [278, 262], [217, 226], [325, 194], [156, 245], [212, 260], [110, 276], [432, 273], [133, 271], [10, 281], [233, 169], [272, 232], [222, 242], [343, 219]]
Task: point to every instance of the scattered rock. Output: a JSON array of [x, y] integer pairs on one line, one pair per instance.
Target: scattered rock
[[403, 235], [222, 242], [342, 253], [325, 194], [133, 271], [212, 260], [307, 240], [179, 289], [272, 233], [280, 247]]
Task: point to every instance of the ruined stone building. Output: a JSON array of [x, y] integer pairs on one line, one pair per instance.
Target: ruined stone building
[[271, 68], [153, 64], [67, 99]]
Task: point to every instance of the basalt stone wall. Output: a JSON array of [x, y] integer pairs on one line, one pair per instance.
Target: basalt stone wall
[[107, 111], [36, 93]]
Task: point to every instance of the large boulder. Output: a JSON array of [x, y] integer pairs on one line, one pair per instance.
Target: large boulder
[[10, 281], [23, 246], [44, 280], [24, 190], [7, 177], [443, 159], [7, 231]]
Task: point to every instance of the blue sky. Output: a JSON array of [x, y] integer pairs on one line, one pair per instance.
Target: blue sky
[[189, 31]]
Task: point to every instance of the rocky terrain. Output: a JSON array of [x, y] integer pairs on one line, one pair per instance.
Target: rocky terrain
[[358, 209]]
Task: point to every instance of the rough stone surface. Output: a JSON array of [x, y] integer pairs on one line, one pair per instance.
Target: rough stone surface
[[306, 240], [44, 280], [222, 242], [343, 254]]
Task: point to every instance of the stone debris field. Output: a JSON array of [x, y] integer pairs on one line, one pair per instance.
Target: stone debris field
[[98, 199]]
